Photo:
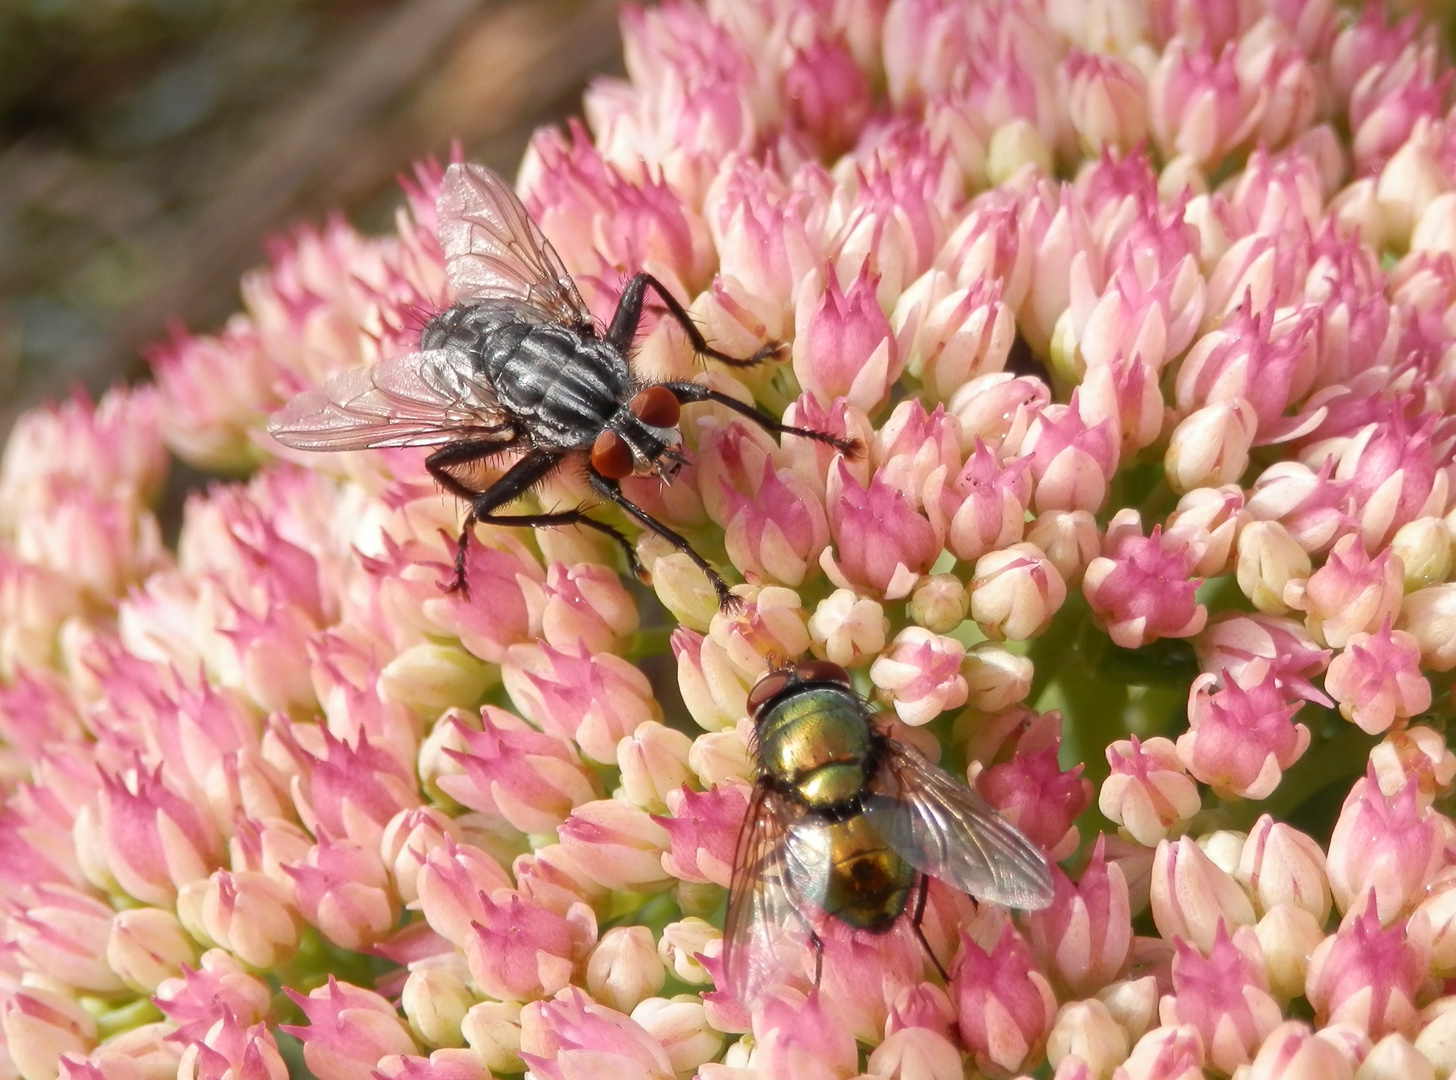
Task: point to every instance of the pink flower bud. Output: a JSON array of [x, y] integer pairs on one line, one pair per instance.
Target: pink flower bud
[[769, 622], [408, 838], [715, 692], [827, 97], [1225, 997], [1085, 937], [219, 987], [954, 334], [881, 545], [1032, 790], [1149, 793], [530, 778], [1377, 679], [624, 968], [703, 832], [913, 444], [1165, 1053], [916, 1053], [999, 410], [1015, 593], [1006, 1007], [1070, 461], [861, 978], [843, 344], [495, 614], [654, 764], [147, 946], [1247, 646], [586, 604], [813, 460], [803, 1039], [353, 791], [1294, 1051], [39, 1026], [1280, 865], [921, 675], [1191, 896], [1385, 848], [552, 878], [1371, 977], [1107, 101], [62, 934], [155, 839], [1210, 447], [779, 534], [1417, 752], [213, 391], [451, 884], [595, 698], [987, 246], [574, 1037], [230, 1049], [617, 845], [345, 891], [348, 1030], [1069, 538], [1140, 588], [519, 951], [1240, 741], [1350, 594], [1197, 107], [847, 629], [981, 508]]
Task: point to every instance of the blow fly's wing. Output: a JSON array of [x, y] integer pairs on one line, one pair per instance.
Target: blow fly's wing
[[420, 399], [494, 251], [765, 935], [944, 829]]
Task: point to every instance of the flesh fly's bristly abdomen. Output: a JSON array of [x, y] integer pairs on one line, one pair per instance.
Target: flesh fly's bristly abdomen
[[518, 371]]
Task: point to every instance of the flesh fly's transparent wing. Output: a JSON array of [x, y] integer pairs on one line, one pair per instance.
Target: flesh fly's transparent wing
[[944, 829], [420, 399], [494, 251], [765, 936]]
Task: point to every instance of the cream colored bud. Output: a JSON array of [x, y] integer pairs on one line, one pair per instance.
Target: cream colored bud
[[431, 678], [1133, 1003], [1269, 559], [1070, 540], [1287, 935], [1210, 446], [624, 968], [1429, 615], [1281, 865], [721, 757], [435, 1003], [847, 629], [996, 677], [434, 762], [940, 603], [493, 1030], [680, 944], [654, 761], [1087, 1030], [1016, 592], [1015, 145], [148, 945], [1437, 1040], [679, 583], [1223, 848], [1395, 1058], [680, 1024], [1424, 547]]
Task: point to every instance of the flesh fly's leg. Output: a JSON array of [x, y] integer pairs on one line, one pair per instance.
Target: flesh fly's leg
[[629, 314], [918, 917], [525, 474], [610, 491], [687, 393]]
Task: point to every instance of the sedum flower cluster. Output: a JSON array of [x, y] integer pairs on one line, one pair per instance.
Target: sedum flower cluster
[[1145, 313]]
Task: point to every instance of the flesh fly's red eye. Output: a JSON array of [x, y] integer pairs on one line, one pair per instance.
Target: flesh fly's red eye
[[766, 689], [656, 406], [821, 671], [612, 457]]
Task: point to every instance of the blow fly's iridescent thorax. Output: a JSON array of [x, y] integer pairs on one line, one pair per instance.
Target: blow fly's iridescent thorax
[[818, 740]]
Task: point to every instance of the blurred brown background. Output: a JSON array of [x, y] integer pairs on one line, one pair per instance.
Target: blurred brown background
[[149, 148]]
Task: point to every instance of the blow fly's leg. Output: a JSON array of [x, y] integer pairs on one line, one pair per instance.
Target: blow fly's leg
[[610, 491], [687, 393], [918, 917], [629, 314]]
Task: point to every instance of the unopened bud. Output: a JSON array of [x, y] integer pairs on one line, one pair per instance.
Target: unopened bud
[[1424, 547], [940, 603], [1269, 559]]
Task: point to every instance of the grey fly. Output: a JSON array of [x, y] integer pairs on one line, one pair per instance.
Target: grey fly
[[519, 370]]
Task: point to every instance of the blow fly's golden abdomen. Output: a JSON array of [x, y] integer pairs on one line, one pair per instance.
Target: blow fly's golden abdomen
[[848, 871], [816, 741]]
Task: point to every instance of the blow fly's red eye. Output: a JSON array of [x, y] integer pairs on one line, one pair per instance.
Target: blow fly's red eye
[[656, 406], [821, 671], [611, 457], [766, 689]]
